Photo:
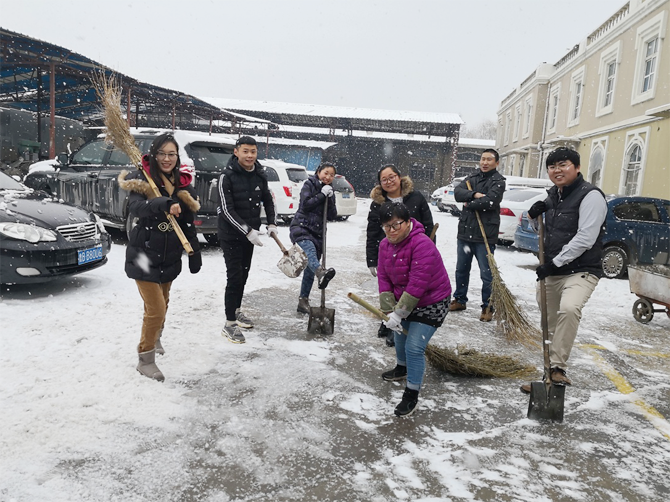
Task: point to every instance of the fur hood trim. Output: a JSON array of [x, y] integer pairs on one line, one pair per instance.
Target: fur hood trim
[[142, 187], [406, 187]]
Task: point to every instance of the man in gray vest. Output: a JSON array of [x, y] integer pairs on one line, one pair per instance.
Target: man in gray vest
[[574, 215]]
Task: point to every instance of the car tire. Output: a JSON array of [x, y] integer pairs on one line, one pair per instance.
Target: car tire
[[131, 222], [614, 262], [211, 239]]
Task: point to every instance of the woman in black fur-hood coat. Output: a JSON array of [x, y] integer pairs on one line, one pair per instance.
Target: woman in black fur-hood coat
[[154, 251]]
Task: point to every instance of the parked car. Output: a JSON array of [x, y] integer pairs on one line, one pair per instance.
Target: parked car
[[637, 232], [437, 194], [88, 177], [345, 197], [447, 203], [513, 203], [285, 181], [41, 239]]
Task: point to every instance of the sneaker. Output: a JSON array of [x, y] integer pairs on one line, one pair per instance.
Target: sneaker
[[397, 373], [487, 314], [324, 275], [558, 377], [232, 332], [455, 305], [383, 331], [242, 320], [410, 398], [390, 339], [303, 305]]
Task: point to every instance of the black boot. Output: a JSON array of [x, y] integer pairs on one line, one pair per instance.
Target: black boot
[[408, 404], [397, 373], [390, 339], [324, 276], [383, 331]]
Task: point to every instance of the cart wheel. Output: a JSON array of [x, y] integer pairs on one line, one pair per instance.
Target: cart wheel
[[643, 311]]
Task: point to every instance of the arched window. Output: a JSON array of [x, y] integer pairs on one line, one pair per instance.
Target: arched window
[[632, 170], [596, 166]]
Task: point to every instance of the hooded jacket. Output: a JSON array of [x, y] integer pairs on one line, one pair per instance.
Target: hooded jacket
[[413, 266], [492, 185], [307, 224], [416, 204], [154, 250], [240, 196]]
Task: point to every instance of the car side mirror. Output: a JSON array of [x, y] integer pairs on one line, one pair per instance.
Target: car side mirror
[[62, 158]]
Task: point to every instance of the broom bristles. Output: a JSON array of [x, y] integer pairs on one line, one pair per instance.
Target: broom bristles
[[118, 132], [470, 362], [509, 316]]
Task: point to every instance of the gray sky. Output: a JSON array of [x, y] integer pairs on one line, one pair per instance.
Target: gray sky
[[460, 56]]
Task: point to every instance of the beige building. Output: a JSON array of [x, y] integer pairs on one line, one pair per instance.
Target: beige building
[[609, 98]]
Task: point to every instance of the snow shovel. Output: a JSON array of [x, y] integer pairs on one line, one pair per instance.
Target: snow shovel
[[322, 320], [294, 260], [547, 400]]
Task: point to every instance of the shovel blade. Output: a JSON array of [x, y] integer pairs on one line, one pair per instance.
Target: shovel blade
[[321, 320], [294, 262], [547, 402]]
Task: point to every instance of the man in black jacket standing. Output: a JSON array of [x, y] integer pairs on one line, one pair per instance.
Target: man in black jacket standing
[[488, 186], [243, 186], [574, 215]]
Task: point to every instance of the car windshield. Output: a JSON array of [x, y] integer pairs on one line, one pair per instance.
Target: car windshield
[[520, 195], [296, 175], [9, 183], [341, 185], [91, 153], [212, 158]]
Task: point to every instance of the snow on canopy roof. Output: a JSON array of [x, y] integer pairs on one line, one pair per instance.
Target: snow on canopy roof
[[479, 143], [305, 114]]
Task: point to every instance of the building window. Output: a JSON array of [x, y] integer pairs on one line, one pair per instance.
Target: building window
[[609, 61], [554, 99], [609, 83], [632, 170], [648, 43], [517, 122], [596, 166], [577, 96], [529, 116], [522, 165], [508, 124]]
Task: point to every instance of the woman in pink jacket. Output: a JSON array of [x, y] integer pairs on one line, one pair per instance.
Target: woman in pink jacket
[[414, 288]]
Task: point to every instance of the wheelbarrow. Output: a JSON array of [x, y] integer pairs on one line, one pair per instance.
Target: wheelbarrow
[[651, 286]]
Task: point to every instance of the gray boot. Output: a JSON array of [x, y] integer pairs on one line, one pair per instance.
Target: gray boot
[[158, 345], [147, 365], [324, 276], [303, 305]]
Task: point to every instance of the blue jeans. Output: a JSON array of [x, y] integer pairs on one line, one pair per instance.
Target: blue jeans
[[464, 252], [312, 264], [410, 350]]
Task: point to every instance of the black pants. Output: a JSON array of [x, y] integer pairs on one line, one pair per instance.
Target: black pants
[[237, 255]]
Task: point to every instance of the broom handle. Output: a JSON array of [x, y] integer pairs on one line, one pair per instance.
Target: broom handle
[[371, 308], [543, 310], [170, 217], [434, 231], [481, 226]]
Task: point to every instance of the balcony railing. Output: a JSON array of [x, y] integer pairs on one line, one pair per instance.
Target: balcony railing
[[609, 24]]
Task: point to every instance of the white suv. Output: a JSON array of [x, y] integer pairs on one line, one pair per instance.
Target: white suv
[[285, 181]]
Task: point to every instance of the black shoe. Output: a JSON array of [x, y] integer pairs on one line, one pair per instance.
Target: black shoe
[[325, 279], [408, 404], [383, 331], [390, 339], [397, 373]]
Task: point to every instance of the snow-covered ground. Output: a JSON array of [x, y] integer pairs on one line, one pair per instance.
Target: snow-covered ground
[[291, 416]]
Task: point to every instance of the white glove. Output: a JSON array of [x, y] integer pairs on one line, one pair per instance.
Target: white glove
[[373, 271], [327, 190], [254, 238], [394, 322], [272, 230]]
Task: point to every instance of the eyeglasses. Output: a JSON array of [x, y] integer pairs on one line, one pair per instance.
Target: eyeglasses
[[390, 179], [564, 164], [163, 155], [394, 226]]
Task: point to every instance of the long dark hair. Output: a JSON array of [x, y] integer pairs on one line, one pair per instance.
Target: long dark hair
[[154, 170]]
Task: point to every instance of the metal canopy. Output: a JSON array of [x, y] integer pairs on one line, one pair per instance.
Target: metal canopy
[[26, 66]]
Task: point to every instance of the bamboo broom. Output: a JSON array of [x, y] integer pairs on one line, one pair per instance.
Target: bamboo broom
[[509, 317], [118, 134], [462, 361]]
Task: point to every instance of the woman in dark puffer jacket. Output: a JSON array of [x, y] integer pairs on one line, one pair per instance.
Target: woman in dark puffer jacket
[[153, 255], [307, 229], [396, 188]]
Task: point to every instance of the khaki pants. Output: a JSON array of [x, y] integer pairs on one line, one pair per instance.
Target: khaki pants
[[566, 296], [156, 298]]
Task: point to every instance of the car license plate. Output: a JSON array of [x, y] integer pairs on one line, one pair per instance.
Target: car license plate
[[89, 255], [346, 195]]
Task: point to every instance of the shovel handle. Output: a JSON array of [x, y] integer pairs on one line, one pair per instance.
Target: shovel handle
[[543, 299], [281, 246], [371, 308]]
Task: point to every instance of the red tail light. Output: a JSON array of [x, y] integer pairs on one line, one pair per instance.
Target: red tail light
[[506, 212], [288, 191]]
